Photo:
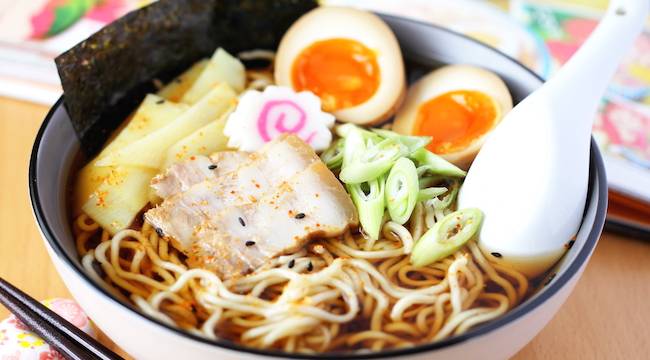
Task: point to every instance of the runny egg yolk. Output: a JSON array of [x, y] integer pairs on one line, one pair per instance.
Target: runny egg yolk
[[455, 119], [342, 72]]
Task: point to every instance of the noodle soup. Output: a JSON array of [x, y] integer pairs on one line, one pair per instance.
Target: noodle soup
[[319, 238]]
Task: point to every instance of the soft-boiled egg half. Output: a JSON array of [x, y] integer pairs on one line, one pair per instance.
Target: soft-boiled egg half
[[457, 105], [349, 58]]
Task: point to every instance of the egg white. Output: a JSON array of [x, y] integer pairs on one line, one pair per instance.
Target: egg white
[[338, 22]]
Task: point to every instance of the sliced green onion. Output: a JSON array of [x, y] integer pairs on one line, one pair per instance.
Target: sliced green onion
[[446, 237], [345, 129], [402, 190], [449, 198], [364, 160], [430, 162], [430, 193], [333, 156], [368, 198], [356, 140], [413, 143], [353, 143], [431, 180]]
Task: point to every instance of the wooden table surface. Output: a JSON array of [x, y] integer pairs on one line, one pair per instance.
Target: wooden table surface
[[606, 317]]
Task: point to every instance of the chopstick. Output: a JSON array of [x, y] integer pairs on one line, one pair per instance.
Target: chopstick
[[66, 338]]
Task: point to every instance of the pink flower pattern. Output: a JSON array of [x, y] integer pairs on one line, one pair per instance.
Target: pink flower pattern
[[625, 126], [13, 356], [17, 342], [17, 323], [51, 355], [70, 311]]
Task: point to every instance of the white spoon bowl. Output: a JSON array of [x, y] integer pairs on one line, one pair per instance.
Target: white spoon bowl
[[530, 177]]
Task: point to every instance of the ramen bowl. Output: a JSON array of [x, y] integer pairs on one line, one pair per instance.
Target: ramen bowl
[[424, 47]]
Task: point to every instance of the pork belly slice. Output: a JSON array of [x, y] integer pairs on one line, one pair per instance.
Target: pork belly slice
[[181, 214], [183, 175], [242, 239]]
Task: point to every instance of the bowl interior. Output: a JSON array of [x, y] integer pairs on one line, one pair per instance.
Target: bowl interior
[[424, 47]]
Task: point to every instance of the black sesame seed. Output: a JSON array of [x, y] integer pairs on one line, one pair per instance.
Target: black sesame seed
[[250, 243], [212, 167], [160, 232], [570, 244], [241, 221], [300, 216], [292, 263], [496, 254], [310, 266], [161, 101]]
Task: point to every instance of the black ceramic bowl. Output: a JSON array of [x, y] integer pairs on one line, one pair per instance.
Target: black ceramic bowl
[[424, 47]]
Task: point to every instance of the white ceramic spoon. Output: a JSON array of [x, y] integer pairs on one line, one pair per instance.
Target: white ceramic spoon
[[530, 178]]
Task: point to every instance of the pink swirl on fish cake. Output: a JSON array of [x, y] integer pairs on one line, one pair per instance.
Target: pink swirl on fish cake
[[282, 116]]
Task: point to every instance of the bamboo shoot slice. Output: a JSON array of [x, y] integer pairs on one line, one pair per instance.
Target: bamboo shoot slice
[[150, 151], [176, 89], [222, 68], [119, 199], [151, 115], [204, 141]]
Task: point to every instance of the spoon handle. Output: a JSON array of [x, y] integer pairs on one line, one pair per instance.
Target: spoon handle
[[579, 85]]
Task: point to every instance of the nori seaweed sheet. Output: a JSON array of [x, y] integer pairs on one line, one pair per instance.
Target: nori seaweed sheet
[[105, 77]]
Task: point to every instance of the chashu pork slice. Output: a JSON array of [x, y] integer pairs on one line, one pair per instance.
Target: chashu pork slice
[[183, 175], [182, 214], [241, 239]]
